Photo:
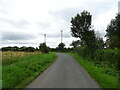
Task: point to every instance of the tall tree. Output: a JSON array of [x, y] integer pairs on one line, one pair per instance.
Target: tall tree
[[81, 28], [80, 24]]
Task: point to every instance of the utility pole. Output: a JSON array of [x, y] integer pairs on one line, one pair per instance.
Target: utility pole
[[61, 35], [45, 38]]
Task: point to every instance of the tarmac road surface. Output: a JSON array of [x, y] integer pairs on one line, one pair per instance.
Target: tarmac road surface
[[65, 72]]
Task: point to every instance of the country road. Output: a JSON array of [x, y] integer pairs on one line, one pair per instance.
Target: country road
[[65, 72]]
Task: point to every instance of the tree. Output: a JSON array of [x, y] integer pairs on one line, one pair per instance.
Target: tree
[[9, 48], [80, 24], [113, 33], [23, 48], [43, 48], [36, 49], [15, 48], [100, 43], [29, 49], [81, 28], [61, 46], [118, 29], [75, 43], [99, 40]]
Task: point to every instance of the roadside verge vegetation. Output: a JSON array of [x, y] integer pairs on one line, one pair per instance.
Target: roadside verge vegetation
[[106, 77], [19, 71]]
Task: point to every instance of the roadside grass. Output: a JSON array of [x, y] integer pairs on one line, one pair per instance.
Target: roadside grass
[[22, 70], [106, 77]]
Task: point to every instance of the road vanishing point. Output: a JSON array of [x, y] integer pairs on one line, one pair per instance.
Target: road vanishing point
[[65, 72]]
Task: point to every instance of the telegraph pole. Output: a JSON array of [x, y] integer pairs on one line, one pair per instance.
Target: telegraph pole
[[45, 38], [61, 35]]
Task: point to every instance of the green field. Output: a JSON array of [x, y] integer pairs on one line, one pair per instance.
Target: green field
[[105, 77], [19, 71]]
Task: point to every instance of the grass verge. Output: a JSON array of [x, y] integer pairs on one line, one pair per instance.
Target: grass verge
[[24, 69], [105, 77]]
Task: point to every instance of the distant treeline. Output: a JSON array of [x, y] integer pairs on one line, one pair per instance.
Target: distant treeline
[[61, 50], [23, 48], [32, 49]]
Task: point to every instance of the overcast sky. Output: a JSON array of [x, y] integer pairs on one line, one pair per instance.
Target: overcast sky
[[24, 22]]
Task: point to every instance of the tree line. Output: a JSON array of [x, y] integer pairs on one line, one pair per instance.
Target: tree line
[[41, 48], [23, 48]]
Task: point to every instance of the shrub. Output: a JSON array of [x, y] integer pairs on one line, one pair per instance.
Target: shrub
[[43, 48], [108, 57], [104, 57]]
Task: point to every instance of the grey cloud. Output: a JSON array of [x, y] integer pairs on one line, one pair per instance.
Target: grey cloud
[[16, 36], [94, 8], [53, 35], [43, 25], [65, 14], [17, 24], [57, 35], [18, 42]]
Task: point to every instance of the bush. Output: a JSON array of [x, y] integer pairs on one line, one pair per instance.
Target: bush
[[43, 48], [84, 51], [104, 57], [108, 57]]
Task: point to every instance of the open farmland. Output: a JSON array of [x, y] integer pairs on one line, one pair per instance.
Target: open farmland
[[9, 54]]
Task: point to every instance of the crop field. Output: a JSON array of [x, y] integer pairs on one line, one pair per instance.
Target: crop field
[[9, 54], [20, 68], [12, 54]]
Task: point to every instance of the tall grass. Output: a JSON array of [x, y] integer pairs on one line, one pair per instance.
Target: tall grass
[[105, 76], [17, 72]]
